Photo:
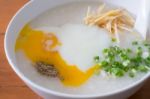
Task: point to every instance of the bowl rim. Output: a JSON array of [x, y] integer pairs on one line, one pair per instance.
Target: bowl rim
[[49, 91]]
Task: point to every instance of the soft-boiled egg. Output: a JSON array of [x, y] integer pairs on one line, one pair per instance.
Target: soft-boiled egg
[[70, 48]]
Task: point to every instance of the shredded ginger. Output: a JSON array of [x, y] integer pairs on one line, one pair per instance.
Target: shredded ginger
[[113, 20]]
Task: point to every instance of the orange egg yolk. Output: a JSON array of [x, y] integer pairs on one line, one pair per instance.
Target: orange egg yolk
[[31, 42]]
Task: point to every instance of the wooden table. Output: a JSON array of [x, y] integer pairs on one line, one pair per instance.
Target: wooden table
[[11, 87]]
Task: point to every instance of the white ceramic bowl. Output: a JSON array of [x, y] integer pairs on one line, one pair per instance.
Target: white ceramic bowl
[[36, 7]]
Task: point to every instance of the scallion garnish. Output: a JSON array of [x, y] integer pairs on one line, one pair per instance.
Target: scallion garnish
[[118, 61], [134, 43], [113, 40], [96, 58]]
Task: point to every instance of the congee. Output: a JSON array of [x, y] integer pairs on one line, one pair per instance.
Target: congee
[[83, 48]]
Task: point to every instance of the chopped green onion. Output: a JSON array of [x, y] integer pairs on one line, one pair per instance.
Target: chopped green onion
[[117, 61], [134, 43], [129, 50], [126, 63], [105, 50], [131, 74], [96, 58], [142, 68], [113, 39], [146, 44], [117, 72], [103, 63]]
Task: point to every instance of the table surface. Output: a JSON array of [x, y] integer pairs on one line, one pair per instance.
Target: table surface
[[11, 86]]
